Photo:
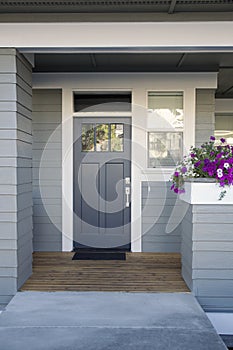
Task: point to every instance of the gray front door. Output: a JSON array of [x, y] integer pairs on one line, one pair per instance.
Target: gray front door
[[102, 191]]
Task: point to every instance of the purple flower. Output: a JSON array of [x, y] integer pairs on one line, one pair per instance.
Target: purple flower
[[176, 190], [212, 138], [176, 174], [223, 140], [172, 187], [184, 169], [192, 155], [211, 172], [197, 164]]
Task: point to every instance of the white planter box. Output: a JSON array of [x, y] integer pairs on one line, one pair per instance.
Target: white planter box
[[206, 193]]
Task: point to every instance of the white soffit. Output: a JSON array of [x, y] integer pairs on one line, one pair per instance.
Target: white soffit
[[208, 36]]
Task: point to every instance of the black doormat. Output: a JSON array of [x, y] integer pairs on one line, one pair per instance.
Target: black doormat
[[99, 255]]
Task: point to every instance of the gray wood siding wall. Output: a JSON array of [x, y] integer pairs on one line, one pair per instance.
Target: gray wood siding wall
[[209, 235], [15, 173], [187, 248], [158, 202], [47, 194], [205, 118]]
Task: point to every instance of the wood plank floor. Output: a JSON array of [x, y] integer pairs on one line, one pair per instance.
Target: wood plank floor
[[141, 272]]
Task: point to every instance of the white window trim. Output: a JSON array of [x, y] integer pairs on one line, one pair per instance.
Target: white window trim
[[102, 114]]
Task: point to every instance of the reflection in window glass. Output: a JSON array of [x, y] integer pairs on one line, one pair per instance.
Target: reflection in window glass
[[117, 133], [102, 137], [88, 144], [167, 108], [224, 128], [165, 148]]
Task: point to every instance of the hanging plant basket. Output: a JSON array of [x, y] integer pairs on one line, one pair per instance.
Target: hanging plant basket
[[210, 164]]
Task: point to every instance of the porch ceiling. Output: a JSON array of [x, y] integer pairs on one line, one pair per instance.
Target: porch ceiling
[[141, 62], [110, 10], [168, 6]]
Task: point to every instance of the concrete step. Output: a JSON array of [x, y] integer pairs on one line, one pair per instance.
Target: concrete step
[[71, 320]]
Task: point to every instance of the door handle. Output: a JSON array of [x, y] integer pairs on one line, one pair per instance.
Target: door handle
[[127, 192]]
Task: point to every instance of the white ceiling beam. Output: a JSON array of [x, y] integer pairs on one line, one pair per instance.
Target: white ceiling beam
[[154, 36]]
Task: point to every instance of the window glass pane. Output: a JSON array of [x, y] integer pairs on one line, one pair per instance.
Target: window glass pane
[[102, 102], [102, 137], [165, 148], [167, 108], [88, 137], [224, 127], [117, 137]]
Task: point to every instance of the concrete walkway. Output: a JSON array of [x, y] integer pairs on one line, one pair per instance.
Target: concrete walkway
[[106, 321]]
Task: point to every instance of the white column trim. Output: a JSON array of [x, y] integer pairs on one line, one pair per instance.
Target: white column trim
[[67, 170], [189, 118]]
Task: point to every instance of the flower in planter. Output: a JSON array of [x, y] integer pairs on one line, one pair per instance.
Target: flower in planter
[[206, 161]]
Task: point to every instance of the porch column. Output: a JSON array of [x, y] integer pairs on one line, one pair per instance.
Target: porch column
[[15, 172]]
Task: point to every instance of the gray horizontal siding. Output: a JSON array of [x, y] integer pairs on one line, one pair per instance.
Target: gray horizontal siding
[[47, 176], [205, 119], [187, 247], [207, 255], [158, 202], [15, 173], [24, 171]]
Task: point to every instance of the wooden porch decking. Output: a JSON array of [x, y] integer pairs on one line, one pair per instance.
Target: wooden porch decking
[[141, 272]]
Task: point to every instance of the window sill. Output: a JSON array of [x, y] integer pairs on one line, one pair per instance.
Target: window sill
[[158, 170]]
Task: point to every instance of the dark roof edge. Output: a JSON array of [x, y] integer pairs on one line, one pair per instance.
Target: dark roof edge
[[115, 17]]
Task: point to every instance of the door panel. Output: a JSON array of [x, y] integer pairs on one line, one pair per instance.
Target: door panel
[[114, 195], [102, 148], [90, 204]]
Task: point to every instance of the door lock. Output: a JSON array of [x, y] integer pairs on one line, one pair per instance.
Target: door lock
[[127, 180]]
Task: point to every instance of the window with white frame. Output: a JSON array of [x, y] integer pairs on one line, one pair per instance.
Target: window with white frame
[[165, 124], [224, 127]]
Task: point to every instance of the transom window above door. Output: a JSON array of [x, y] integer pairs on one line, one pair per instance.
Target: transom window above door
[[100, 101], [106, 137]]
